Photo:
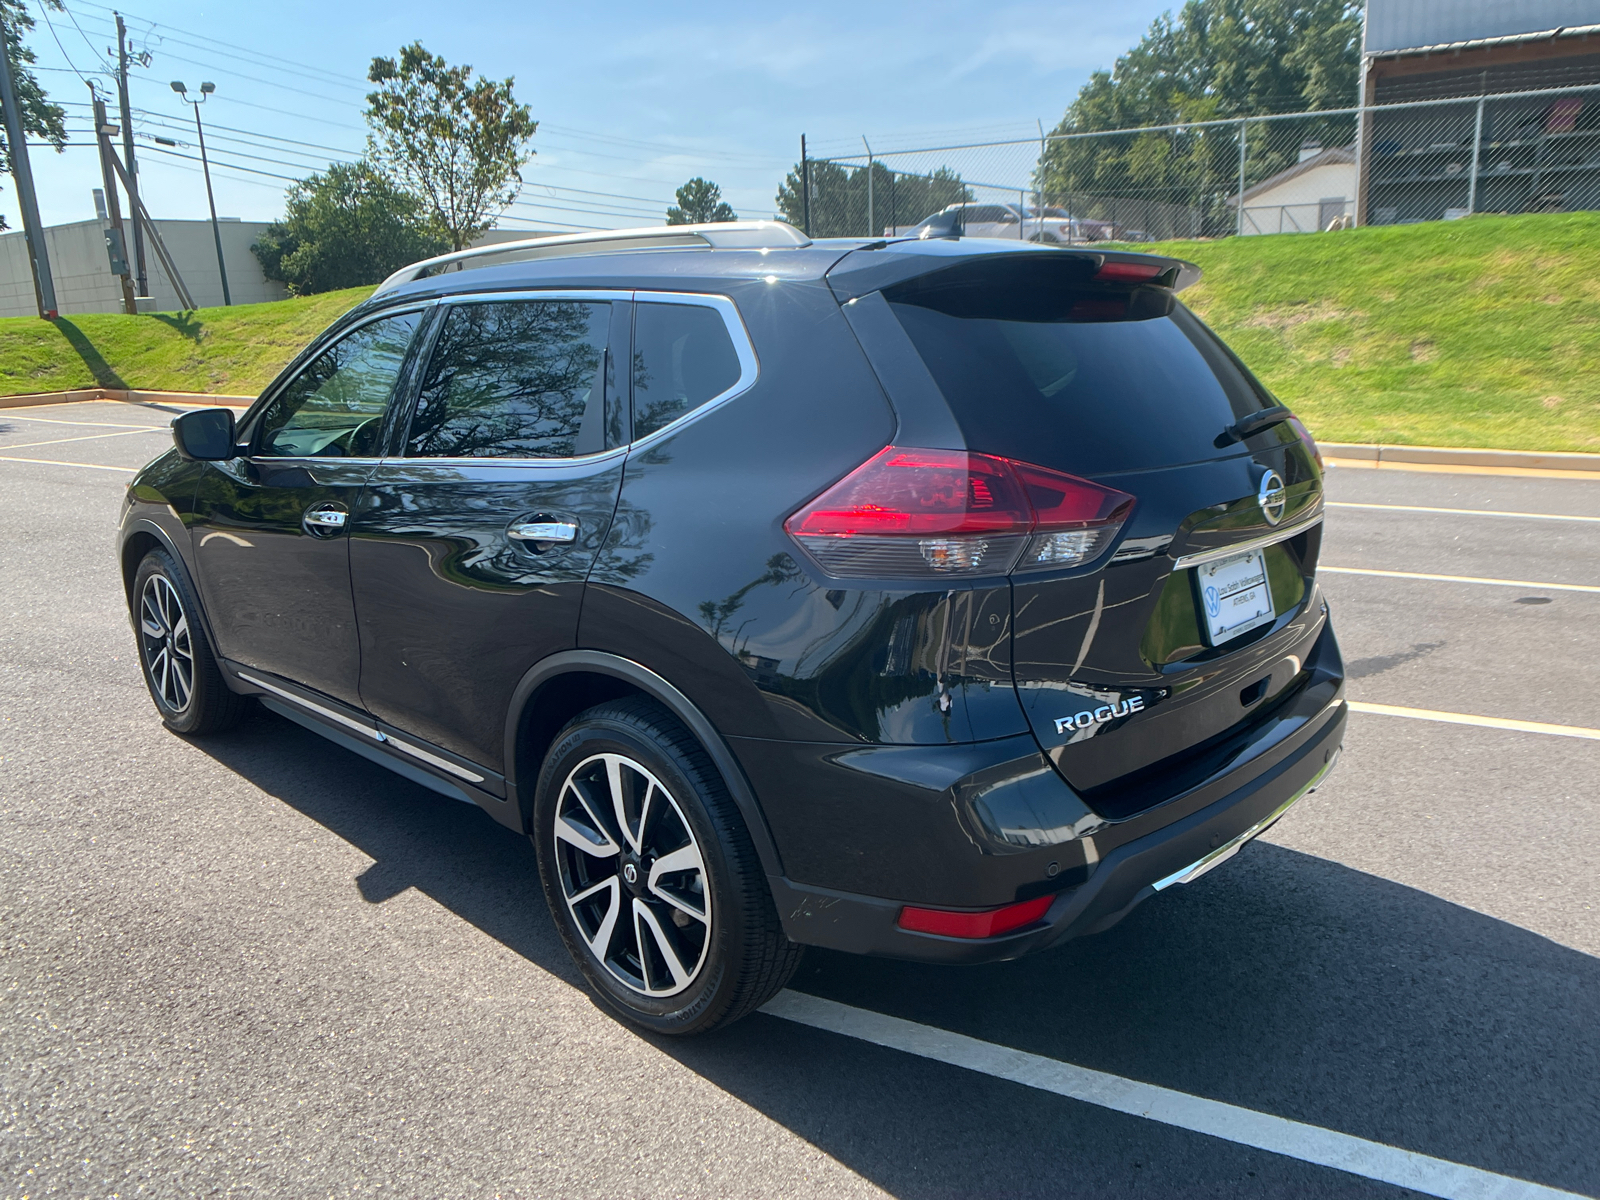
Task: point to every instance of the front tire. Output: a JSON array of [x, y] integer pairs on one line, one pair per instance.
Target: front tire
[[651, 876], [179, 667]]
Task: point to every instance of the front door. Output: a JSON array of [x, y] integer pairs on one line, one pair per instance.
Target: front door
[[470, 548], [270, 533]]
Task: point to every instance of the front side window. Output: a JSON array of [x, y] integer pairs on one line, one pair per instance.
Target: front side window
[[334, 408], [682, 357], [512, 379]]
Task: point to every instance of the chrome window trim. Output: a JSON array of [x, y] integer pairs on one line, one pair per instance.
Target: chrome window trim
[[1200, 558], [744, 349]]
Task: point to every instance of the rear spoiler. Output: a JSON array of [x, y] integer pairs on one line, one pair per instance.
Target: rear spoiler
[[878, 265]]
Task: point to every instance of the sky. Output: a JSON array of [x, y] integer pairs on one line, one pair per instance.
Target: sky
[[632, 98]]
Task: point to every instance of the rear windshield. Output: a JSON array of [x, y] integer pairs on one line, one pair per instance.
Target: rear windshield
[[1075, 377]]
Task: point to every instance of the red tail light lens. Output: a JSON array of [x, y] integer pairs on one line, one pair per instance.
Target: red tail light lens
[[913, 513], [1131, 272], [975, 924]]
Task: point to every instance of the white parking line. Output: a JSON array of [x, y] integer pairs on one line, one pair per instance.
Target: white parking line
[[87, 437], [1517, 583], [1242, 1126], [50, 462], [1464, 512], [1451, 718], [10, 416]]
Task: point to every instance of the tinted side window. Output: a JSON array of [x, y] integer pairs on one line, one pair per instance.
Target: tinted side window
[[515, 379], [334, 408], [682, 357]]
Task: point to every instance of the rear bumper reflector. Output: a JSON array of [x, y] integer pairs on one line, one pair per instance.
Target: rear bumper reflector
[[990, 923]]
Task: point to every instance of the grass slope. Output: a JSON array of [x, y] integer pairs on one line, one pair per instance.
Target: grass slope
[[1482, 332], [225, 351]]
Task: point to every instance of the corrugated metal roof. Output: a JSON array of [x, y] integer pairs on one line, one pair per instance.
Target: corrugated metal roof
[[1414, 24]]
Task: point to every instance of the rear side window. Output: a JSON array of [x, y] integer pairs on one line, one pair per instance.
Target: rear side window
[[512, 379], [682, 357], [1077, 378]]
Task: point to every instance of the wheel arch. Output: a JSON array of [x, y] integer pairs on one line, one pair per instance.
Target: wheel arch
[[139, 538], [559, 687]]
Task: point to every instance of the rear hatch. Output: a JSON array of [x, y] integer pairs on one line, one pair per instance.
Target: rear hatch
[[1141, 670]]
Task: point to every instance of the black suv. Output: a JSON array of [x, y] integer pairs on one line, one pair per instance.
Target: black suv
[[939, 598]]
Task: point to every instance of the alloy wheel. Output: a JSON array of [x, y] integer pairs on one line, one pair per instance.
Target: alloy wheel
[[632, 875], [164, 639]]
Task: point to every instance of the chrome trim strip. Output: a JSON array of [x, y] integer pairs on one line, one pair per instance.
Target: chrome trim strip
[[1224, 852], [431, 759], [1260, 543], [347, 722], [371, 731]]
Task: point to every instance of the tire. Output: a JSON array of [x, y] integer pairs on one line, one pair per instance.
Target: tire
[[624, 790], [179, 667]]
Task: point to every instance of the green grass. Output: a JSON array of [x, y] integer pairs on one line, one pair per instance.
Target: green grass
[[1483, 332], [224, 351]]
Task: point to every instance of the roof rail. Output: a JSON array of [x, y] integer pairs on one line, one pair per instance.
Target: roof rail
[[722, 235]]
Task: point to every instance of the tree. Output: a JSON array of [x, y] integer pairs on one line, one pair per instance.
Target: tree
[[39, 117], [1216, 59], [457, 145], [839, 198], [700, 202], [347, 227]]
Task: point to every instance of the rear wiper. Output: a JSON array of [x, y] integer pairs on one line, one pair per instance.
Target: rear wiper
[[1254, 423]]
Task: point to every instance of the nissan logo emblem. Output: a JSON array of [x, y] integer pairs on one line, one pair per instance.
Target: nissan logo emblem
[[1272, 497]]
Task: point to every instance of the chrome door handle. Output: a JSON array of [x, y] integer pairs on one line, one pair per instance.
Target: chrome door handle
[[543, 531], [327, 518]]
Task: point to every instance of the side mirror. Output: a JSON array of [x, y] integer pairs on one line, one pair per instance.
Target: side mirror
[[205, 435]]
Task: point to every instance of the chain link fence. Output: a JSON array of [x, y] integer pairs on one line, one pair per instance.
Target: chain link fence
[[1430, 160]]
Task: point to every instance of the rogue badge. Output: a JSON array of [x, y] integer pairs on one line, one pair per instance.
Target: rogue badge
[[1099, 716]]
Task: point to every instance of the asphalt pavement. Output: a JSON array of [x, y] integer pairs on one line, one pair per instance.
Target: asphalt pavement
[[256, 964]]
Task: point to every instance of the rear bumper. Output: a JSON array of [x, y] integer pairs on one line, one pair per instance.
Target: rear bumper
[[1126, 873]]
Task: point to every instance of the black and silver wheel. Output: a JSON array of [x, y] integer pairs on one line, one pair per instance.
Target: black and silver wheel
[[179, 668], [651, 876]]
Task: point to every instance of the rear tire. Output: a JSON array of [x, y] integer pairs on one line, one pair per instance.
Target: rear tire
[[179, 667], [651, 876]]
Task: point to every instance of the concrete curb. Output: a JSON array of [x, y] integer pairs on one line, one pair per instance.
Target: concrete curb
[[1445, 456], [127, 396]]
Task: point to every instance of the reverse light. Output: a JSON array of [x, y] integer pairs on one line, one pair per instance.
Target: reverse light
[[916, 513], [991, 923]]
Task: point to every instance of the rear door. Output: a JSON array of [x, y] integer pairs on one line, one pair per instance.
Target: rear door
[[1200, 619], [472, 541]]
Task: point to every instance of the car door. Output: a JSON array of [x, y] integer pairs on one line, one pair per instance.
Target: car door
[[269, 527], [473, 541]]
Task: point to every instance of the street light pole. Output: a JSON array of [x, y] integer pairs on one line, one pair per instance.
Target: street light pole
[[205, 90]]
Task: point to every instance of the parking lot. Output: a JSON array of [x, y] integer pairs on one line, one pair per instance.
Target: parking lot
[[258, 965]]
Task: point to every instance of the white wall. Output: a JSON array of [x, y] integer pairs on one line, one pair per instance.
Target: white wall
[[84, 282], [1294, 204]]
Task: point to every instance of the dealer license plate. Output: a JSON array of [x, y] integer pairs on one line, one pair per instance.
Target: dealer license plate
[[1234, 595]]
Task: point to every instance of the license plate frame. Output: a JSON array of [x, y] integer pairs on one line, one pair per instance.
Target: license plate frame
[[1233, 595]]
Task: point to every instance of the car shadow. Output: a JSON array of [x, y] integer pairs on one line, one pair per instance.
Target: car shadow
[[1284, 983]]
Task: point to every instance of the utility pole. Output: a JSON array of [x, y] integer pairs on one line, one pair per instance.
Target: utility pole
[[116, 239], [44, 288], [127, 153], [206, 89]]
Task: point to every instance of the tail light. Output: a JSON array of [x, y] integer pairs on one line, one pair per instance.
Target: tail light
[[917, 514], [1310, 443], [1116, 271]]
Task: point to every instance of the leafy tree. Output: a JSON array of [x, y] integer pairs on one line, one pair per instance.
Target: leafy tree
[[839, 198], [700, 201], [456, 144], [1215, 59], [346, 227], [39, 117]]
